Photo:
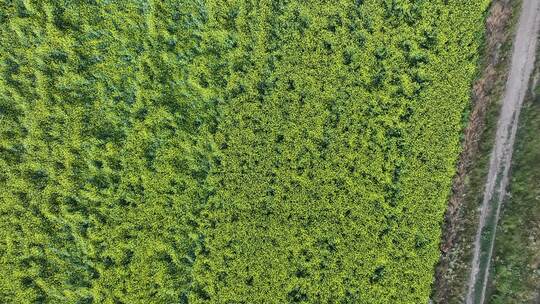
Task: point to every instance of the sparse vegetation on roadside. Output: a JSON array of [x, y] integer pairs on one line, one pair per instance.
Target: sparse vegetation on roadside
[[516, 262]]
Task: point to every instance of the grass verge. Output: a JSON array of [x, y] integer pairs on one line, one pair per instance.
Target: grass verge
[[516, 263]]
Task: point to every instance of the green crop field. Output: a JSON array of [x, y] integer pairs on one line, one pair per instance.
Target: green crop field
[[209, 151]]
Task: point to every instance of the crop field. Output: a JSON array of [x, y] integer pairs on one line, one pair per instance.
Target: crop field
[[210, 151]]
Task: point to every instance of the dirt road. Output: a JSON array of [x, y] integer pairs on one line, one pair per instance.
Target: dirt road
[[523, 58]]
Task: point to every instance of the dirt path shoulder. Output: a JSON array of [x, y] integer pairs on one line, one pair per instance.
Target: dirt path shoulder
[[522, 65]]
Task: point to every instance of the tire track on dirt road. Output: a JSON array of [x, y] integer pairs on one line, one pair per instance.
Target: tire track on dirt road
[[523, 58]]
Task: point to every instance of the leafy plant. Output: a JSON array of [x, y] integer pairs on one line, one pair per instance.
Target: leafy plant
[[228, 151]]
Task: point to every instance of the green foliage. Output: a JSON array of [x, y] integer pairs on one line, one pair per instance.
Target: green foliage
[[228, 151], [103, 151]]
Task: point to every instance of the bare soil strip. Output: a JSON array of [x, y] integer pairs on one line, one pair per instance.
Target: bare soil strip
[[522, 65]]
